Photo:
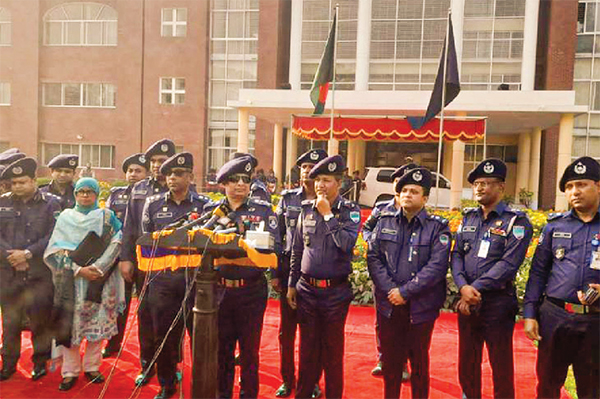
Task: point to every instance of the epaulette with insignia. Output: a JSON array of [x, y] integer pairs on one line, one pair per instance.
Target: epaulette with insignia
[[555, 215], [381, 204], [290, 191], [260, 202], [438, 218], [153, 198], [118, 188], [308, 202], [47, 196], [350, 204], [468, 210]]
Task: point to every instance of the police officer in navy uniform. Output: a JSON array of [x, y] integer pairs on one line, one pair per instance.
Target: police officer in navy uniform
[[156, 183], [491, 245], [367, 229], [318, 287], [288, 210], [258, 189], [408, 260], [62, 169], [6, 158], [244, 289], [168, 287], [27, 217], [135, 168], [556, 310]]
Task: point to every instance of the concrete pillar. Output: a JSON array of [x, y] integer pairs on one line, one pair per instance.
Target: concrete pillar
[[530, 33], [351, 159], [291, 151], [458, 159], [333, 147], [523, 163], [278, 152], [565, 144], [534, 172], [447, 159], [363, 45], [458, 17], [359, 160], [243, 126], [296, 45]]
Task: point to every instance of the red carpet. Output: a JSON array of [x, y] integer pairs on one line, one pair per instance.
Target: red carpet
[[360, 358]]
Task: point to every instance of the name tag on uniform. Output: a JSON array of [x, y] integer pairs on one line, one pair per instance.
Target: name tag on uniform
[[120, 202], [558, 234], [388, 231], [595, 264], [484, 248], [469, 229], [310, 223], [295, 208], [162, 215]]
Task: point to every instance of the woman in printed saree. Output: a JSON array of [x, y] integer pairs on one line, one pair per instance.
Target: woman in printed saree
[[95, 293]]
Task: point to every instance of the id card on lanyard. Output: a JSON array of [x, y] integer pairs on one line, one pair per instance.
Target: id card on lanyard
[[484, 246]]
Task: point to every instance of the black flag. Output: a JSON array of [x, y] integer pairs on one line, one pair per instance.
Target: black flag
[[452, 83]]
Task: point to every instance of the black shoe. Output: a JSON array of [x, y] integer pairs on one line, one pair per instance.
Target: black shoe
[[166, 392], [67, 383], [107, 352], [95, 377], [6, 373], [144, 377], [377, 370], [317, 392], [283, 391], [39, 371]]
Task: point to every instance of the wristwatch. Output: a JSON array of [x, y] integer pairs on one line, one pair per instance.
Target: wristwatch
[[328, 217], [28, 254]]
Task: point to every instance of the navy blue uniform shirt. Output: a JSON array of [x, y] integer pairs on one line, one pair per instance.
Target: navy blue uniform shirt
[[323, 249], [27, 226], [67, 200], [413, 257], [371, 222], [118, 199], [288, 210], [160, 210], [248, 217], [562, 264], [259, 191], [506, 233]]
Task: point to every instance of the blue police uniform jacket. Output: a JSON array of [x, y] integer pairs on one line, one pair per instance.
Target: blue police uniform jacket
[[118, 199], [323, 249], [160, 210], [562, 264], [67, 200], [259, 191], [413, 257], [248, 217], [132, 225], [371, 222], [27, 226], [288, 210], [488, 253]]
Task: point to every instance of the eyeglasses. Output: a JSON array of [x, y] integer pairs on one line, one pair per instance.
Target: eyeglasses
[[484, 184], [86, 192], [236, 178], [177, 172]]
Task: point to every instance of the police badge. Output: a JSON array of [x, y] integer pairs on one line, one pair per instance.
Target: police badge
[[519, 232], [273, 222], [355, 216], [331, 167], [559, 253], [580, 168], [488, 168], [314, 156]]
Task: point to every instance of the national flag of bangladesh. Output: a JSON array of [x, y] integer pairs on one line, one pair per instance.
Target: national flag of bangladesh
[[324, 75]]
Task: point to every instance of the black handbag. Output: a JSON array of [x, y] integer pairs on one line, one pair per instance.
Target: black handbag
[[63, 308]]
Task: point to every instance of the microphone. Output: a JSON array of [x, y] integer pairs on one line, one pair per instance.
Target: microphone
[[180, 221], [217, 214]]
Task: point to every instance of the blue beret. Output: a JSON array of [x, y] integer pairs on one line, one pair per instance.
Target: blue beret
[[181, 160], [135, 159], [22, 167], [243, 165], [419, 176], [490, 167], [161, 147], [579, 169], [69, 161], [333, 165], [403, 169], [11, 155], [312, 156]]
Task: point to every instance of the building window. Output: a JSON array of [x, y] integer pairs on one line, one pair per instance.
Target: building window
[[97, 155], [474, 153], [174, 22], [5, 27], [4, 93], [81, 24], [172, 91], [94, 95]]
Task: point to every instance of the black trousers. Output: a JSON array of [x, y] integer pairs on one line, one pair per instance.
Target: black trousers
[[241, 314], [287, 329], [114, 344], [165, 299], [21, 295], [568, 339], [402, 341], [148, 344], [322, 316], [493, 325]]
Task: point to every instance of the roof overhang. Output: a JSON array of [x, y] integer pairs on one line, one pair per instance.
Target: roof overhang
[[508, 112]]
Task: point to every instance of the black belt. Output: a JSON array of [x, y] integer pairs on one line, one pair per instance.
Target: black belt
[[238, 283], [574, 308], [325, 282]]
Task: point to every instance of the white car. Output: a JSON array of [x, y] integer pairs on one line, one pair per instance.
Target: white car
[[380, 187]]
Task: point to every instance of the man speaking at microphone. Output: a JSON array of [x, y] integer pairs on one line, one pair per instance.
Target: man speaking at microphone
[[169, 282], [244, 288]]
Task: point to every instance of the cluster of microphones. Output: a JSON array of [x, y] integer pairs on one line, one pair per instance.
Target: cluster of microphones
[[221, 220]]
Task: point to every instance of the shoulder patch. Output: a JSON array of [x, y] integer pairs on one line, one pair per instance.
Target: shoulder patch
[[355, 216], [468, 210], [259, 202], [308, 202], [438, 219], [116, 189]]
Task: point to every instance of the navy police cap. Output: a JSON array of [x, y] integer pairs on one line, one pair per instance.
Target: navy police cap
[[419, 176], [184, 160], [333, 165], [135, 159], [22, 167], [490, 167], [237, 155], [579, 169], [68, 161], [161, 147], [242, 165], [11, 155], [403, 169], [312, 156]]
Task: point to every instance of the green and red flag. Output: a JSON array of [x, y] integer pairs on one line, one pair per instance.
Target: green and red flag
[[324, 75]]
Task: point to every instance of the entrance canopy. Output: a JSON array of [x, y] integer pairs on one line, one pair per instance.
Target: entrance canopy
[[385, 129]]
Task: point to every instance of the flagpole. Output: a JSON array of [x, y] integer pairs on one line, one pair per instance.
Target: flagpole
[[440, 141], [331, 144]]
